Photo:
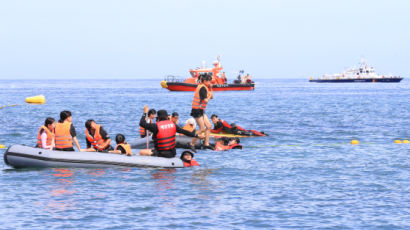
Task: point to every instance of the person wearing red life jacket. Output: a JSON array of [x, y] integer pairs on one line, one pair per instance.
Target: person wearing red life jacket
[[163, 135], [188, 158], [225, 143], [202, 95], [151, 115], [45, 135], [96, 137], [122, 146], [223, 126]]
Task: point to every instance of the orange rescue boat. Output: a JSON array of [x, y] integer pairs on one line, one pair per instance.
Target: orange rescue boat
[[219, 82]]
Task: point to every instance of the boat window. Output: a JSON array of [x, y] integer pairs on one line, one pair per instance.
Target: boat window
[[367, 71]]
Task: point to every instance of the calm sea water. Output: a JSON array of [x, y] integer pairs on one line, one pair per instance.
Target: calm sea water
[[304, 175]]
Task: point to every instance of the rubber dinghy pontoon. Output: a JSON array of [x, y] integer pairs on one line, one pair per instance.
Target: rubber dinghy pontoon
[[20, 156], [181, 142]]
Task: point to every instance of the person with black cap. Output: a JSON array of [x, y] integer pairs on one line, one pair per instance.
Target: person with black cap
[[188, 158], [202, 95], [163, 135]]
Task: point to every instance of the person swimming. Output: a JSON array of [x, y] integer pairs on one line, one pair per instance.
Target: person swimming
[[188, 158]]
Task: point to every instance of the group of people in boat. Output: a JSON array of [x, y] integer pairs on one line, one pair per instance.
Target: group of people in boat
[[243, 79], [61, 135]]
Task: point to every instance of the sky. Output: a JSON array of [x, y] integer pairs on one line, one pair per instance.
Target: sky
[[131, 39]]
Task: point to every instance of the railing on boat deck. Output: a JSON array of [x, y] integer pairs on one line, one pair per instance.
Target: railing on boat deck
[[172, 78]]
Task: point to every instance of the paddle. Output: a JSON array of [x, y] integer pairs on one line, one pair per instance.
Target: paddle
[[146, 131]]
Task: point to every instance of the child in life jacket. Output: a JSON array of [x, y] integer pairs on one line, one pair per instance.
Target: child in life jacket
[[187, 158], [122, 146]]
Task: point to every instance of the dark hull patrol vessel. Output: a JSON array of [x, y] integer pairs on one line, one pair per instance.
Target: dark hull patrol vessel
[[219, 82], [363, 73]]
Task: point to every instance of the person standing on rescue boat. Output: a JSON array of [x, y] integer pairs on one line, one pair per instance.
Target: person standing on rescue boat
[[203, 94], [96, 137], [45, 136], [65, 133], [163, 135]]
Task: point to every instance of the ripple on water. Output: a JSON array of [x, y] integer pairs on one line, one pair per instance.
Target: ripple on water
[[304, 175]]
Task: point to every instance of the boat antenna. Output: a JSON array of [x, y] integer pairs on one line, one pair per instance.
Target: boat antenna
[[362, 61]]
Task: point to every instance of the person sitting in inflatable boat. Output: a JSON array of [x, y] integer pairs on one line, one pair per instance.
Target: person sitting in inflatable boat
[[163, 135], [96, 137], [223, 126], [151, 116], [188, 158], [174, 118], [45, 135], [122, 146], [190, 125], [226, 143]]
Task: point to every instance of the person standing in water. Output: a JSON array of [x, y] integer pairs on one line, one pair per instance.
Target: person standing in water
[[203, 94]]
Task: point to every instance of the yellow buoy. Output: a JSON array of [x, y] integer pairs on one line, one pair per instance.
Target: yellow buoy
[[39, 99], [164, 84], [406, 141], [2, 146], [397, 141], [354, 142]]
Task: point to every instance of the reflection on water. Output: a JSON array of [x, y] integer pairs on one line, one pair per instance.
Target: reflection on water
[[61, 191], [64, 178], [96, 172], [203, 184], [164, 179]]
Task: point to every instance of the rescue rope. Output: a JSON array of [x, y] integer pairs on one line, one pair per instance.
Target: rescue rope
[[12, 105]]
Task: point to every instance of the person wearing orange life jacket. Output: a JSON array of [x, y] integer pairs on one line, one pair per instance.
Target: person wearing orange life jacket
[[163, 135], [203, 94], [96, 137], [190, 125], [122, 146], [151, 116], [65, 133], [187, 158], [45, 135]]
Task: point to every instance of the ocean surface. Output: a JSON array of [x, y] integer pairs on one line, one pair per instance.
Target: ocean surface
[[304, 175]]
